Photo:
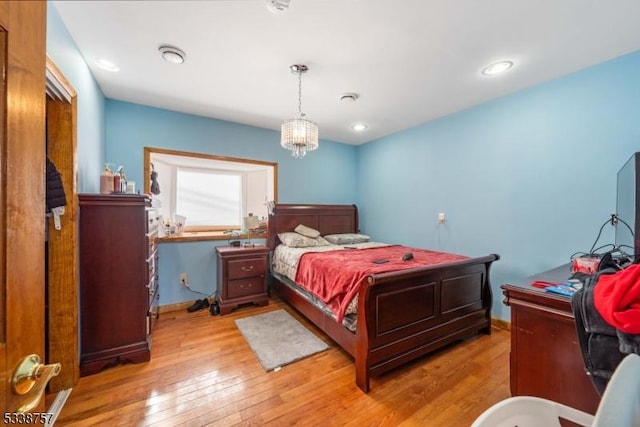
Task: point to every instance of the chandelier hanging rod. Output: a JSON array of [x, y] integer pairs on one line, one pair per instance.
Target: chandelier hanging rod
[[299, 69]]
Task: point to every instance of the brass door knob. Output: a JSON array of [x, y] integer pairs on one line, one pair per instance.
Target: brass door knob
[[30, 379]]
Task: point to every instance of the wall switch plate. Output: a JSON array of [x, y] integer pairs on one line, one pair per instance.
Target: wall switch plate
[[442, 218]]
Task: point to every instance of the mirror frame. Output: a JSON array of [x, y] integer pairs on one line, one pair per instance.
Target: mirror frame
[[150, 150]]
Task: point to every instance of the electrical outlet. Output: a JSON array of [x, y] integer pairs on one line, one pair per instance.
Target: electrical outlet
[[184, 281]]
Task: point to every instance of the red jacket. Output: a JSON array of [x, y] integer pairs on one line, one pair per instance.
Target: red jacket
[[617, 299]]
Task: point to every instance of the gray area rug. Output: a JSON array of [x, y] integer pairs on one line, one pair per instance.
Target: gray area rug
[[278, 339]]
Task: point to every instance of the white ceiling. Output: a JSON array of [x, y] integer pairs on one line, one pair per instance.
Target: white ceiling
[[410, 60]]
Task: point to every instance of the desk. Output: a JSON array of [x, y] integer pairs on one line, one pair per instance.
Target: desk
[[546, 360]]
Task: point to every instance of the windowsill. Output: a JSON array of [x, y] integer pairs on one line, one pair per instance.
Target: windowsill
[[199, 236]]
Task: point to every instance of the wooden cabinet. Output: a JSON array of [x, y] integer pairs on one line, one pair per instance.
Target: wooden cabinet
[[546, 360], [118, 279], [242, 276]]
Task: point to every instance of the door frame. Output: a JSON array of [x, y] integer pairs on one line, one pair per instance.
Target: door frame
[[62, 255]]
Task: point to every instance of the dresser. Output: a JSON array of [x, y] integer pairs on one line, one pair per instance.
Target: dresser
[[546, 360], [242, 276], [118, 279]]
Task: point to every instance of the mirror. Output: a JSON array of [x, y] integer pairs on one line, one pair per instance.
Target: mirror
[[211, 193]]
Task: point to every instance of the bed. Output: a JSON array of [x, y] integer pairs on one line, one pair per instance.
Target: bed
[[400, 315]]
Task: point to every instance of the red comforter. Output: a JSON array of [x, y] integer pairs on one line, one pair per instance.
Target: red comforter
[[335, 276]]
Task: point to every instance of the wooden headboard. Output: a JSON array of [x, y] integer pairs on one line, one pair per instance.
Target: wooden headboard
[[327, 219]]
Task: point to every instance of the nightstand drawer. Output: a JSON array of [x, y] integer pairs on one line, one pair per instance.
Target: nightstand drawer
[[247, 267], [245, 287]]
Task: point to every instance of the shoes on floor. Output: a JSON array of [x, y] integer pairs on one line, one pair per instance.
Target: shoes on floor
[[199, 305], [214, 309]]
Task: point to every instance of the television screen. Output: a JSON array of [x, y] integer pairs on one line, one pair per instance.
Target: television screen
[[627, 208]]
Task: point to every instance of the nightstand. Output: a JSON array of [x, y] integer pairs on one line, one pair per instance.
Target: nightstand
[[242, 276]]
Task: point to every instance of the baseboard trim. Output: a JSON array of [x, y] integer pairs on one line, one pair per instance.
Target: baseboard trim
[[175, 307], [500, 324]]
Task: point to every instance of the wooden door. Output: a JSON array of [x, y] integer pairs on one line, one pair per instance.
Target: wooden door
[[22, 191]]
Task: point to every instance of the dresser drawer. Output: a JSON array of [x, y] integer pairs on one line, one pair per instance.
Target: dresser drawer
[[247, 267], [152, 285], [152, 267], [245, 287], [152, 242], [154, 297]]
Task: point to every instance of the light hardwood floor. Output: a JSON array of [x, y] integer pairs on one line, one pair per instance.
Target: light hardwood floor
[[202, 373]]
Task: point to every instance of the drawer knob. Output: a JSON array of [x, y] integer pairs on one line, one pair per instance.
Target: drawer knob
[[245, 286], [247, 268]]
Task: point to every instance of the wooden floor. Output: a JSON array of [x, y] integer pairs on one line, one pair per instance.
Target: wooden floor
[[202, 373]]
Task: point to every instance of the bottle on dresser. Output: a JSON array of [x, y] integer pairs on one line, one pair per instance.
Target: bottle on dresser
[[106, 180]]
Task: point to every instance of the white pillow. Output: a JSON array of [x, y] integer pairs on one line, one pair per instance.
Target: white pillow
[[347, 238], [295, 240], [307, 231]]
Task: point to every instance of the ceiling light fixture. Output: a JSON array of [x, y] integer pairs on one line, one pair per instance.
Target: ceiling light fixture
[[359, 127], [349, 97], [107, 65], [172, 54], [278, 6], [497, 68], [299, 135]]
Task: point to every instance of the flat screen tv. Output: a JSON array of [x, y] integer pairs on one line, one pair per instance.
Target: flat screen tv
[[628, 207]]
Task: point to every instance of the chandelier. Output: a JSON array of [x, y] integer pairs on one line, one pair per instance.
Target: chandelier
[[299, 135]]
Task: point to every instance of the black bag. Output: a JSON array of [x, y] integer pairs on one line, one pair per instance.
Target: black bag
[[598, 340]]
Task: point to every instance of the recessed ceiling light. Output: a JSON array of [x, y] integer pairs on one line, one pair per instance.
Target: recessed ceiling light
[[172, 54], [497, 68], [349, 97], [107, 65], [359, 127]]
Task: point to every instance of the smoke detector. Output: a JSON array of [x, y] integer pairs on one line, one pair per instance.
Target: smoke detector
[[278, 6], [172, 54], [349, 97]]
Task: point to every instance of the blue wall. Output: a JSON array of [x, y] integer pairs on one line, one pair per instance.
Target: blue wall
[[327, 175], [530, 176], [62, 49]]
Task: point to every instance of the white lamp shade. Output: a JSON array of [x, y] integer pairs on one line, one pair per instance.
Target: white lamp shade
[[251, 222]]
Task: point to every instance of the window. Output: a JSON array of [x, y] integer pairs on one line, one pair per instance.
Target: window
[[209, 197], [214, 193]]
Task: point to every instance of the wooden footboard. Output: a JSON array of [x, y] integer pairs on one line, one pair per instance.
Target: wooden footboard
[[404, 315]]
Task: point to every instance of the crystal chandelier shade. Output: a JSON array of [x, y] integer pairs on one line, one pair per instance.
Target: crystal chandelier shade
[[299, 135]]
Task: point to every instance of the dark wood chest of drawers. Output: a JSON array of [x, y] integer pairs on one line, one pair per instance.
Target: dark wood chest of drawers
[[118, 279], [242, 276]]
